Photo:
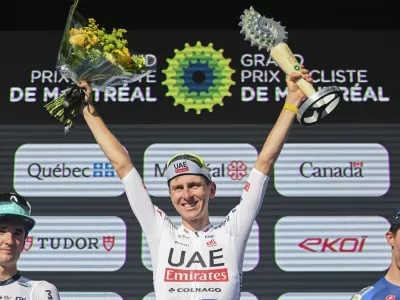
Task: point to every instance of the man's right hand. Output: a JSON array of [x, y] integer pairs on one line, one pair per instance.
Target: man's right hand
[[88, 97]]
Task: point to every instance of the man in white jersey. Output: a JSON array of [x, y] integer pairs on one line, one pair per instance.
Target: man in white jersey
[[196, 260], [15, 224]]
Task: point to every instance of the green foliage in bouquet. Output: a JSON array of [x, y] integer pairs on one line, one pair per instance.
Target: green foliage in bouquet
[[91, 42]]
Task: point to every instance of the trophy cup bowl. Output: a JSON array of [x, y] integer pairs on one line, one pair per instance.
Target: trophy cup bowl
[[268, 34]]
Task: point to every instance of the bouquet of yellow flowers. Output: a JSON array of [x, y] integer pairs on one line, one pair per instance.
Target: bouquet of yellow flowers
[[89, 53]]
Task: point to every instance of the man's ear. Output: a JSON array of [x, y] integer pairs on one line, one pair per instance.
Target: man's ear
[[213, 190], [390, 238]]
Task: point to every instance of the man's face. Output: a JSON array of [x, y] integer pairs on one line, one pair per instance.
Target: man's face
[[12, 239], [190, 195]]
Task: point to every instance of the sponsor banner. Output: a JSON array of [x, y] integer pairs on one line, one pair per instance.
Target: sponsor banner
[[243, 296], [64, 170], [316, 296], [251, 255], [89, 296], [332, 170], [229, 165], [332, 244], [75, 244]]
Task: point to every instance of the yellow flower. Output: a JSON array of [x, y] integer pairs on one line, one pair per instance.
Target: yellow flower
[[77, 37], [75, 31], [91, 39], [126, 51], [122, 59]]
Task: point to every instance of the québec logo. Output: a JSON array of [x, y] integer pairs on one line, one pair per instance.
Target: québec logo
[[64, 170], [103, 170], [40, 172]]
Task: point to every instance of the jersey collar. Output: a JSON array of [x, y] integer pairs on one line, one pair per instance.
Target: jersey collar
[[10, 280], [186, 233]]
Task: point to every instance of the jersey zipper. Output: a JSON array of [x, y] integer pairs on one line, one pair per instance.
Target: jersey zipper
[[196, 248]]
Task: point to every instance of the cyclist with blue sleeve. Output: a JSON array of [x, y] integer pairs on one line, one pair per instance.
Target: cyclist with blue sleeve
[[388, 287]]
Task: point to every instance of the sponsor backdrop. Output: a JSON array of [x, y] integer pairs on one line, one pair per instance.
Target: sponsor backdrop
[[320, 231]]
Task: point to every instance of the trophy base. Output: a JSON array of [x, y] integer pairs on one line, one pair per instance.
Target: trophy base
[[319, 105]]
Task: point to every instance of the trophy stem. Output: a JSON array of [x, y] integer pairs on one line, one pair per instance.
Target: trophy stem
[[285, 59]]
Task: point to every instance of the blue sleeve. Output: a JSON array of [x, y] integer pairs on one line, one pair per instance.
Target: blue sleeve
[[364, 294]]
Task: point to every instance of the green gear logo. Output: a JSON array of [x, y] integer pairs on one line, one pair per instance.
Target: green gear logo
[[198, 77]]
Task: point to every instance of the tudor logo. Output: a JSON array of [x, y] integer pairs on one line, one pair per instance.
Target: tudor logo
[[28, 243], [59, 243], [108, 242], [92, 240]]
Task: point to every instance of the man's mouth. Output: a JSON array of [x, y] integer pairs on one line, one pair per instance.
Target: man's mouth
[[190, 205], [7, 250]]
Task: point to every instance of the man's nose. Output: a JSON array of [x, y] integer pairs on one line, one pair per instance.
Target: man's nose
[[188, 193], [8, 238]]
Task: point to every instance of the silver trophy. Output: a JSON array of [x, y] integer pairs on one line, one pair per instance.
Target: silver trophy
[[268, 34]]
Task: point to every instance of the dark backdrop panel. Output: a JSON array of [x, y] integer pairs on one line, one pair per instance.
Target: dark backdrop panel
[[267, 280]]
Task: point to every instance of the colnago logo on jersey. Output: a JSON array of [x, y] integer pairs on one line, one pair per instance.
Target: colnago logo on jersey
[[342, 243], [64, 170], [243, 295], [312, 170], [229, 165], [87, 243]]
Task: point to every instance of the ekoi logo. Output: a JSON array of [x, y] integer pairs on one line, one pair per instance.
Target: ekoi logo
[[45, 170], [330, 243]]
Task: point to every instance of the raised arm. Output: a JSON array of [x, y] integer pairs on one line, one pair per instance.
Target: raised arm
[[152, 220], [108, 143], [241, 218], [278, 135]]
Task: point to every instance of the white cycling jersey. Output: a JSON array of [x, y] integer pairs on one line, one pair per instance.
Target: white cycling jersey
[[197, 265], [21, 288]]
